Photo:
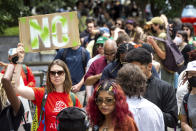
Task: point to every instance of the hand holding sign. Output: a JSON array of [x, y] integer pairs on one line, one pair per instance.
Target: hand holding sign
[[20, 51]]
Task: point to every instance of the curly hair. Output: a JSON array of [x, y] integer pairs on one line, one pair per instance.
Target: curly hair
[[132, 80], [3, 97], [123, 48], [121, 106], [67, 83]]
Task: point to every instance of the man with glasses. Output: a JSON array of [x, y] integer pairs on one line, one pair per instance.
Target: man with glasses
[[95, 70], [99, 49]]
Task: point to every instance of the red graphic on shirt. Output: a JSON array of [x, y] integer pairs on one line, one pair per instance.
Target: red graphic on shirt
[[59, 106]]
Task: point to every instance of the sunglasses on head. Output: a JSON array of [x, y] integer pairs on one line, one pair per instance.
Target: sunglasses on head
[[107, 101], [54, 73]]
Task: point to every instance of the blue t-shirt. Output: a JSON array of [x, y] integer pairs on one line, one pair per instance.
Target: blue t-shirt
[[73, 60]]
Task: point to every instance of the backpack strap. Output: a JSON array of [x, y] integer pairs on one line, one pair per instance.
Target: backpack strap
[[185, 103], [157, 38], [25, 123], [25, 71], [43, 109], [63, 56], [73, 98], [35, 122], [84, 59]]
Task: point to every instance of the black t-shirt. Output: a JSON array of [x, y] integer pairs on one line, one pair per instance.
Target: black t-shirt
[[16, 120]]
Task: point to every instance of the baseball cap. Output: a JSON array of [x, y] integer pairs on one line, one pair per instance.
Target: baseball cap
[[105, 30], [191, 66], [12, 51], [155, 20], [101, 40]]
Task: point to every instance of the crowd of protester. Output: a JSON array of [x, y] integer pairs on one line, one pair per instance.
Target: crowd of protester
[[116, 74]]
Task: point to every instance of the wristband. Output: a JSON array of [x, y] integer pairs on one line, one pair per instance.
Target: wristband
[[19, 62]]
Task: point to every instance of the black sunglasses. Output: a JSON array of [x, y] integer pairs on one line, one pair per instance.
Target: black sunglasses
[[118, 24], [59, 73]]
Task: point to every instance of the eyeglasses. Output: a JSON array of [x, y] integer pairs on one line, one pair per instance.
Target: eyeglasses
[[54, 73], [99, 45], [107, 101], [109, 54]]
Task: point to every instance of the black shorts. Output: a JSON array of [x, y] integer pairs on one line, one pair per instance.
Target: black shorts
[[15, 119]]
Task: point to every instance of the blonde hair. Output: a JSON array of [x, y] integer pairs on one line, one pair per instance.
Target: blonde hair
[[3, 96]]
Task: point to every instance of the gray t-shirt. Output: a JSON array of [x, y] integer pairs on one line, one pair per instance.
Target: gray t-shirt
[[191, 110]]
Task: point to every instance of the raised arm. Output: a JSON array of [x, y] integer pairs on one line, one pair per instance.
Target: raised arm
[[157, 49], [25, 92], [11, 95]]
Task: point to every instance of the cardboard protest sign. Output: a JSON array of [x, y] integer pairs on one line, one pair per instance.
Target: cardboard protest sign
[[50, 31]]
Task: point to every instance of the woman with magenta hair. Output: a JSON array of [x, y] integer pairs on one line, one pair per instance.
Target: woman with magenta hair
[[107, 109]]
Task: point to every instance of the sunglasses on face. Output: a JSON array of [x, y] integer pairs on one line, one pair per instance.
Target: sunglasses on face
[[118, 24], [54, 73], [99, 45], [107, 101]]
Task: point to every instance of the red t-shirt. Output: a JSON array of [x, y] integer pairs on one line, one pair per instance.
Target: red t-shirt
[[55, 102]]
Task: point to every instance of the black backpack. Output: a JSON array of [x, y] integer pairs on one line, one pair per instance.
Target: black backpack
[[174, 59], [71, 119]]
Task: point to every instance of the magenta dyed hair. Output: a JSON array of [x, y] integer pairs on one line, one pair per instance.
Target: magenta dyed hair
[[121, 108]]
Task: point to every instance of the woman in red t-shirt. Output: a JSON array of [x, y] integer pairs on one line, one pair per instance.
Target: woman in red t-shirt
[[58, 87]]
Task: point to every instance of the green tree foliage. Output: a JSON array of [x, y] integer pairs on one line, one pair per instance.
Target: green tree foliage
[[171, 8], [10, 10], [52, 6]]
